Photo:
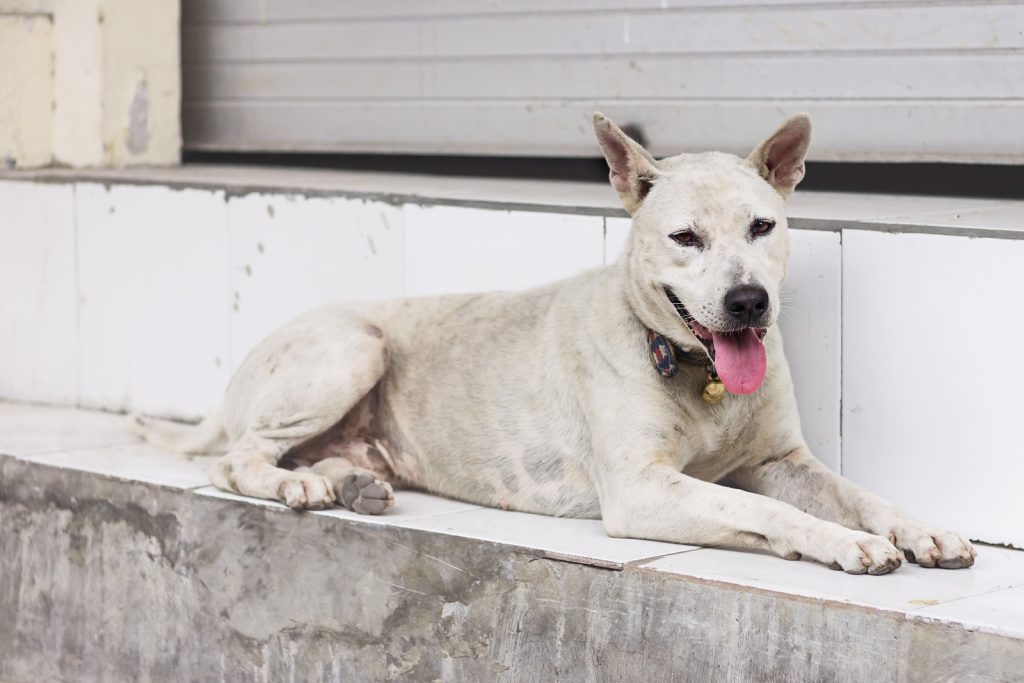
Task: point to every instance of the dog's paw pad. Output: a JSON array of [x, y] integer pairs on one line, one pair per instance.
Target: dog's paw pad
[[365, 494]]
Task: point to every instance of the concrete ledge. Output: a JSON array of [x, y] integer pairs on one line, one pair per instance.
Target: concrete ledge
[[830, 211], [106, 576]]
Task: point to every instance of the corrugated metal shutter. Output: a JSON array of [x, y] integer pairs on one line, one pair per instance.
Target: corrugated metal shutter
[[884, 80]]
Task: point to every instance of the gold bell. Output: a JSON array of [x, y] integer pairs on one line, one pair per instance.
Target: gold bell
[[714, 391]]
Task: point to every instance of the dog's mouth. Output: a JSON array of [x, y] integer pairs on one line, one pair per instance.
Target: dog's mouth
[[738, 355]]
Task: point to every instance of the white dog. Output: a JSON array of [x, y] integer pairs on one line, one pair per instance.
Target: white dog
[[624, 393]]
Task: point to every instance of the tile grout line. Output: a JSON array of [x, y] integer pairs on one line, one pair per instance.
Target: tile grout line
[[78, 294], [404, 211], [412, 524], [644, 562], [841, 341], [228, 275], [604, 240]]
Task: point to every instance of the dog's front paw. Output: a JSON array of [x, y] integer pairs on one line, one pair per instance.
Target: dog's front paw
[[860, 553], [932, 547]]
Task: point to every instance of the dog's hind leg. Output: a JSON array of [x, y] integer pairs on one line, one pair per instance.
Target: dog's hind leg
[[250, 468], [361, 490], [295, 386]]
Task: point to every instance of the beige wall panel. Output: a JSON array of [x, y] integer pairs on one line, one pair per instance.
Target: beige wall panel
[[26, 90]]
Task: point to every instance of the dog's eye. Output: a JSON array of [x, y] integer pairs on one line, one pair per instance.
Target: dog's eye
[[761, 227], [687, 238]]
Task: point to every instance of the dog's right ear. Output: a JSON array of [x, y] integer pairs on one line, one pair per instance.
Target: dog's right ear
[[631, 168]]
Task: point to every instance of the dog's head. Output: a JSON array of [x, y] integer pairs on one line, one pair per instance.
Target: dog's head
[[709, 245]]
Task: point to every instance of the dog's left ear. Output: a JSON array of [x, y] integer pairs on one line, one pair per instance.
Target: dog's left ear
[[780, 158], [631, 168]]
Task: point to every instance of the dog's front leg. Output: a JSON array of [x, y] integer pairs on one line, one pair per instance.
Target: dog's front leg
[[644, 496], [802, 480]]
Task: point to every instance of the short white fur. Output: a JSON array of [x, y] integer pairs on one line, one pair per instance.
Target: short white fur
[[546, 401]]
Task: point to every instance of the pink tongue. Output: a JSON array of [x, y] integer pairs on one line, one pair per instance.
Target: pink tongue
[[740, 361]]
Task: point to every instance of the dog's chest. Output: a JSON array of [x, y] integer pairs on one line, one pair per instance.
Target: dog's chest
[[716, 440]]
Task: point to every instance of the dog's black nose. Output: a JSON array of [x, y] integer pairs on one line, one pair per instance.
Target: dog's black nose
[[746, 303]]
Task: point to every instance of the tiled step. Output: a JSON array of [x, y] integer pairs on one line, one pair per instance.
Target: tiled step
[[143, 289], [118, 561]]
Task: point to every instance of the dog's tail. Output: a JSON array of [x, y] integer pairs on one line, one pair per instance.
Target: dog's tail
[[208, 436]]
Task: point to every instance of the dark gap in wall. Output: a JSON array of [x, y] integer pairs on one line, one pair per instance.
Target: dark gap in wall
[[965, 180]]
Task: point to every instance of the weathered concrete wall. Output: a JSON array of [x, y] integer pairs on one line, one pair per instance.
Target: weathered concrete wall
[[102, 580], [78, 84], [90, 82], [26, 6], [26, 90], [118, 82]]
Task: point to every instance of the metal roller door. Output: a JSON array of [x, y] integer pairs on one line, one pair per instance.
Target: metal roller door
[[884, 80]]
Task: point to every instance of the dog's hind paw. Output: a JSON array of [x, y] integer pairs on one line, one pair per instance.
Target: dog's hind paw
[[364, 493], [306, 491]]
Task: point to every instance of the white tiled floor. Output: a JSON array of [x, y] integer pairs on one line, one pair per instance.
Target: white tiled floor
[[1001, 611], [908, 589], [135, 462], [990, 596], [92, 442], [573, 539], [578, 540], [31, 430]]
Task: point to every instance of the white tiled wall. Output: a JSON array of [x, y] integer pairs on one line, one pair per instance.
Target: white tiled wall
[[127, 297], [153, 294], [291, 254], [145, 298], [38, 318], [811, 323], [453, 249], [932, 375], [176, 287]]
